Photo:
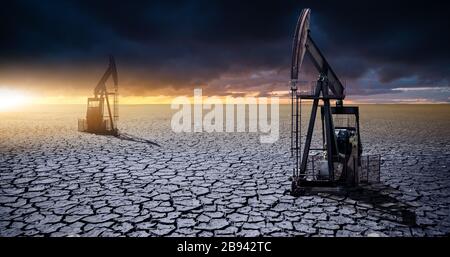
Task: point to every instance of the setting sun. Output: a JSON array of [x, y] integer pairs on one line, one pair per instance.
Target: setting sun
[[11, 98]]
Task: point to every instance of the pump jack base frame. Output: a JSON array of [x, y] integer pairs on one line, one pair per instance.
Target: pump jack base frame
[[304, 187], [102, 133], [83, 127]]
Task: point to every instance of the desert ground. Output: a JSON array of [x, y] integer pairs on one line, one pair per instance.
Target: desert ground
[[56, 181]]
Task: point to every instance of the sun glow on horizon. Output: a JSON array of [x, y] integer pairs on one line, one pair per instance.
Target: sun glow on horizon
[[10, 99], [14, 99]]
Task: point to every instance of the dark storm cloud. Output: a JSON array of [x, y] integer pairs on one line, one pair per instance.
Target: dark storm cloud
[[183, 43], [398, 39]]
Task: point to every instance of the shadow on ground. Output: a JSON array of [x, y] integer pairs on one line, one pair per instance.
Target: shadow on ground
[[379, 199], [128, 137]]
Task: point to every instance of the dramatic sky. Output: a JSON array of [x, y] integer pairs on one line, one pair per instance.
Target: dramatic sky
[[384, 51]]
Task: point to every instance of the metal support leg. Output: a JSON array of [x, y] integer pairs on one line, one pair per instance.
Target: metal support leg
[[329, 137], [109, 113], [323, 128], [309, 136]]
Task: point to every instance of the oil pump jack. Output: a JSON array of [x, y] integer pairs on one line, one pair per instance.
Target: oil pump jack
[[95, 121], [337, 162]]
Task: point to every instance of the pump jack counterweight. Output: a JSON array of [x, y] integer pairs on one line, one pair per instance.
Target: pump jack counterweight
[[95, 121]]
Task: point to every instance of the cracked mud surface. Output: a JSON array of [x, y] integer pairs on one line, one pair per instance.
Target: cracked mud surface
[[56, 181]]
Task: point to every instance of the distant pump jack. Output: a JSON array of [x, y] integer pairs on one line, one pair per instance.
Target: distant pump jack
[[96, 121], [338, 161]]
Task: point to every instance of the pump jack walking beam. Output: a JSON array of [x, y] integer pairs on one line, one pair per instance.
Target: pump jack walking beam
[[304, 44], [100, 89], [325, 70]]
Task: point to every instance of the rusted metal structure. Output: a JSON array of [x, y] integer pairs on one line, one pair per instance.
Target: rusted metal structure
[[96, 120], [338, 161]]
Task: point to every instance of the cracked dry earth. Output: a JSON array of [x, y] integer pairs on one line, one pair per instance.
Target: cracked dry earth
[[56, 181]]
